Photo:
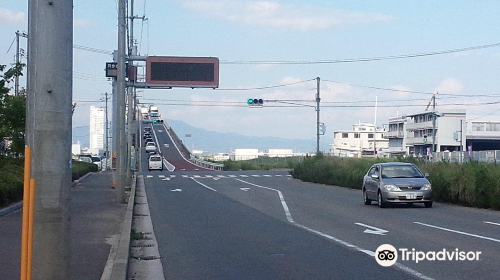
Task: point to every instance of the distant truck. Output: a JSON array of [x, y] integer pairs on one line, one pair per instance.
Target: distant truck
[[153, 111], [144, 111]]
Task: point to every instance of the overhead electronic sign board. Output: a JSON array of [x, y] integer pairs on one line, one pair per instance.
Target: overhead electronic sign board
[[174, 71]]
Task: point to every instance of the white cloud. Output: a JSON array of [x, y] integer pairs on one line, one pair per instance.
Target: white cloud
[[449, 86], [11, 17], [275, 15]]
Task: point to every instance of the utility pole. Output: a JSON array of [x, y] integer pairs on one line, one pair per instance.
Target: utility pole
[[317, 113], [18, 60], [434, 123], [106, 134], [121, 144], [48, 132]]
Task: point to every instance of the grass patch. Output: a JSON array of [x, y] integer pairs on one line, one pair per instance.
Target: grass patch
[[262, 163], [136, 235], [471, 183]]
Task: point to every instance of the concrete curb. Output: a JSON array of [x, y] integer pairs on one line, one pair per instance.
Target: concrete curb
[[9, 209], [118, 260]]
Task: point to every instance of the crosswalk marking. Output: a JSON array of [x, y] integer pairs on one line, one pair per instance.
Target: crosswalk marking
[[216, 177]]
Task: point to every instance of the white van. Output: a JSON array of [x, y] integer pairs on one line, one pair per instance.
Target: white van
[[155, 162]]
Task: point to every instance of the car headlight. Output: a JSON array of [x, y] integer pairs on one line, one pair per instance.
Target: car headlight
[[426, 187], [391, 188]]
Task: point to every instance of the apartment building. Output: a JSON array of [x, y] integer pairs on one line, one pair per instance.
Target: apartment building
[[363, 140], [96, 128], [422, 133]]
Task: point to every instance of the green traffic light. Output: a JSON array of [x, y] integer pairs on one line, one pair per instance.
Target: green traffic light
[[250, 101]]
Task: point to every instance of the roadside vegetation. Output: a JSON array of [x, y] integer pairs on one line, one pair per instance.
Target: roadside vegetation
[[12, 131], [471, 183], [262, 163]]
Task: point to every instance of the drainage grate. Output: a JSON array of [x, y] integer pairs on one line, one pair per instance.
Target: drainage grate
[[143, 245], [147, 258], [141, 215]]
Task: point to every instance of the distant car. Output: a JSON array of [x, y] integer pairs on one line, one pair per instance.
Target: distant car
[[146, 135], [155, 162], [151, 147], [85, 158], [147, 129], [98, 161], [147, 140], [396, 182]]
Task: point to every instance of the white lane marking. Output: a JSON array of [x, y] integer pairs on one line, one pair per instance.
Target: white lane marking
[[278, 175], [170, 167], [172, 176], [184, 176], [204, 185], [288, 175], [232, 176], [196, 169], [221, 176], [216, 178], [196, 176], [459, 232], [244, 189], [149, 176], [166, 179], [372, 230], [176, 190], [255, 175], [267, 175], [161, 176], [159, 130], [347, 244], [491, 223], [209, 176], [244, 176]]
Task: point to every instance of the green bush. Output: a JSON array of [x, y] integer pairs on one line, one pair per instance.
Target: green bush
[[12, 173], [469, 184]]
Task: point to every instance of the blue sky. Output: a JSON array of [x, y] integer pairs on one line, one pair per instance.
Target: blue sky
[[295, 30]]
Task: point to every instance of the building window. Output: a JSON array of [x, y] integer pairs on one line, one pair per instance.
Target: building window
[[477, 126], [356, 135], [370, 135], [345, 135], [493, 127]]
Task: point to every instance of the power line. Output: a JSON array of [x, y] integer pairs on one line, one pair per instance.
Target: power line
[[366, 59], [265, 87]]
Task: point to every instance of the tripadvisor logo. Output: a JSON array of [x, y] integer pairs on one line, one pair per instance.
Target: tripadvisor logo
[[387, 255]]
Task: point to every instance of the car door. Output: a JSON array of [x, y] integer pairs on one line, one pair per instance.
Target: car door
[[371, 184]]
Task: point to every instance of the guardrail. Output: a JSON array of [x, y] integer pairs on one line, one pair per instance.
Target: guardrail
[[480, 156], [207, 164]]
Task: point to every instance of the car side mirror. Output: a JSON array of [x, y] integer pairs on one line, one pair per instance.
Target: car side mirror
[[426, 175], [374, 176]]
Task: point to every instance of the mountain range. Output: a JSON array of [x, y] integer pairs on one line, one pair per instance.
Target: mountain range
[[212, 142]]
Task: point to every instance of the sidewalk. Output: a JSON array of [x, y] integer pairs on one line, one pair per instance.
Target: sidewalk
[[96, 222]]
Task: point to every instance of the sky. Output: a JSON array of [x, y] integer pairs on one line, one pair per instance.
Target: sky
[[362, 51]]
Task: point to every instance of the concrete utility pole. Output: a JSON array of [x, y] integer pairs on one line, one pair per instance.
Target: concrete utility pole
[[121, 144], [317, 114], [106, 133], [48, 132], [18, 60], [434, 123]]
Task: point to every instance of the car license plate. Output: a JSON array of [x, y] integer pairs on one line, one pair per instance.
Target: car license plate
[[411, 196]]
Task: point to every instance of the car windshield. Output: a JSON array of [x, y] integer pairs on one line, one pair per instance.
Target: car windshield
[[401, 171], [155, 158], [150, 144]]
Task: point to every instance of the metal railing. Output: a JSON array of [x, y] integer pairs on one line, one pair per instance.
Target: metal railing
[[481, 156]]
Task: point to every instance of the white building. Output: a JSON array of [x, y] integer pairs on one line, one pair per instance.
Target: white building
[[245, 154], [279, 153], [76, 149], [417, 133], [362, 140], [96, 127]]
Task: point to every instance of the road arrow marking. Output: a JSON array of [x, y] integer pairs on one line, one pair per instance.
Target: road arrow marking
[[373, 230], [244, 189], [176, 190]]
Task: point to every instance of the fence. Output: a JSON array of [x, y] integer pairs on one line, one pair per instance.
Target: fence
[[481, 156]]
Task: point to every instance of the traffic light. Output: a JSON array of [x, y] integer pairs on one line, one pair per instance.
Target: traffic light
[[155, 121], [255, 102], [425, 138]]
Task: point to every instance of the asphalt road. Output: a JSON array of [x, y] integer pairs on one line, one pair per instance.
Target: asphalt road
[[267, 225]]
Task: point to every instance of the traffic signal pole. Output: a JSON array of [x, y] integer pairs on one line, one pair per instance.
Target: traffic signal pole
[[318, 99], [48, 133]]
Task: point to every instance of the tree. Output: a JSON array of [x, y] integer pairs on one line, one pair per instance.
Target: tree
[[12, 111]]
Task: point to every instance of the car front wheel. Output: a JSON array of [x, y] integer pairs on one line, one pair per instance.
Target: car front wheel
[[381, 202], [428, 204]]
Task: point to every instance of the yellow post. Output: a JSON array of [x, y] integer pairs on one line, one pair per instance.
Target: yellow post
[[30, 228], [26, 199]]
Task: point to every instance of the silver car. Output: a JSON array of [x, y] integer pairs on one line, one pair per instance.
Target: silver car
[[396, 182]]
